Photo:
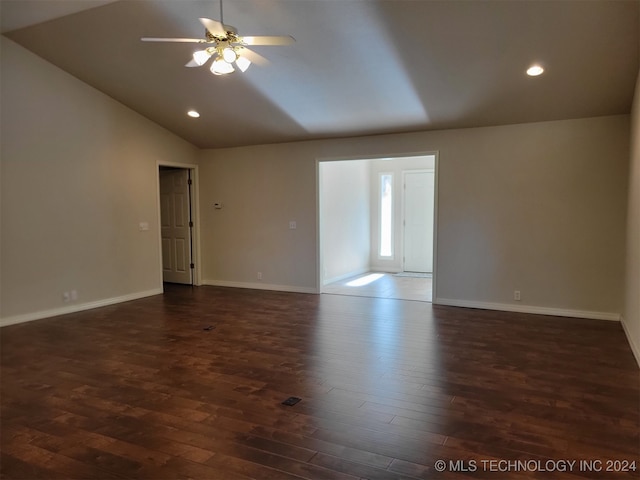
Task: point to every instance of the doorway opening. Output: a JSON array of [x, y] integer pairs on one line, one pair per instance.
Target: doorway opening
[[177, 224], [377, 226]]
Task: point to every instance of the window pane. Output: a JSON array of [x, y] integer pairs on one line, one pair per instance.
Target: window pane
[[386, 232]]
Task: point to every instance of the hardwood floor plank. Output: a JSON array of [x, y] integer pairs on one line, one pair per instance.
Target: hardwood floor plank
[[63, 465], [13, 467], [347, 453], [355, 468], [388, 387], [179, 468], [250, 469]]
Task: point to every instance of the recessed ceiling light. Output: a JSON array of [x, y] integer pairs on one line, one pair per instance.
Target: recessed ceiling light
[[535, 70], [193, 114]]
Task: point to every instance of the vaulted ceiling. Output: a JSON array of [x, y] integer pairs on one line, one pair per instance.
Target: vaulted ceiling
[[358, 67]]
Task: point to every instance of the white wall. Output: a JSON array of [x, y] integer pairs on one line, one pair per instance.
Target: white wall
[[79, 173], [345, 218], [631, 316], [536, 207]]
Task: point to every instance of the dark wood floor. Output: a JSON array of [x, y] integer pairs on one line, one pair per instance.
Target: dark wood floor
[[388, 387]]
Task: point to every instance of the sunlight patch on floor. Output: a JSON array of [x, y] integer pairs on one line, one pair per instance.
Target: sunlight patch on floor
[[366, 280]]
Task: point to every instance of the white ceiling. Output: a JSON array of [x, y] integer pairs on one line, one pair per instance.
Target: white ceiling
[[358, 66]]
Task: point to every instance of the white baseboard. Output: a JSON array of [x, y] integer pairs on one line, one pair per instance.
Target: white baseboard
[[379, 268], [506, 307], [260, 286], [635, 348], [54, 312]]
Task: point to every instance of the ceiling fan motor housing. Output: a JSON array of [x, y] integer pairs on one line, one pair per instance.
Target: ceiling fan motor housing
[[231, 35]]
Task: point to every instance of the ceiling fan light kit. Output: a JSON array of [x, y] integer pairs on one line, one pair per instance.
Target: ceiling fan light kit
[[243, 63], [229, 55], [220, 67], [226, 47], [201, 57]]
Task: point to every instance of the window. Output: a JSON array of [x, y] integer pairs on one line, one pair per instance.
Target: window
[[386, 215]]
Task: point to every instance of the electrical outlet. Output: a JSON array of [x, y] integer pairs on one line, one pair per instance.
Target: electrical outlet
[[293, 225], [74, 295], [259, 275], [516, 295], [66, 297]]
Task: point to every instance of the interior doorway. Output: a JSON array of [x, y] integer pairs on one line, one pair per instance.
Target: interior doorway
[[363, 232], [176, 225]]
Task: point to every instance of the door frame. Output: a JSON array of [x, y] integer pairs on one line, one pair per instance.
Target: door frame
[[404, 214], [318, 185], [195, 215]]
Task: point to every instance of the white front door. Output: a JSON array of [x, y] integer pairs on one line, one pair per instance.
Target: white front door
[[418, 221], [175, 229]]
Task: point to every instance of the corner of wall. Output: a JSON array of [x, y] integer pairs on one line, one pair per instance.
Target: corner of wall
[[635, 349], [631, 313]]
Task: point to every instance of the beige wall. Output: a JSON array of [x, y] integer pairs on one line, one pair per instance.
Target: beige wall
[[631, 315], [79, 173], [536, 207], [261, 188]]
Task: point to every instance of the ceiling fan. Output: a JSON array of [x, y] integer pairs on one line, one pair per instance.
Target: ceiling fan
[[225, 46]]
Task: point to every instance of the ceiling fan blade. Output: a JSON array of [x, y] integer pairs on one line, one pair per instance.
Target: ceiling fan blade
[[268, 40], [253, 56], [215, 27], [179, 40]]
